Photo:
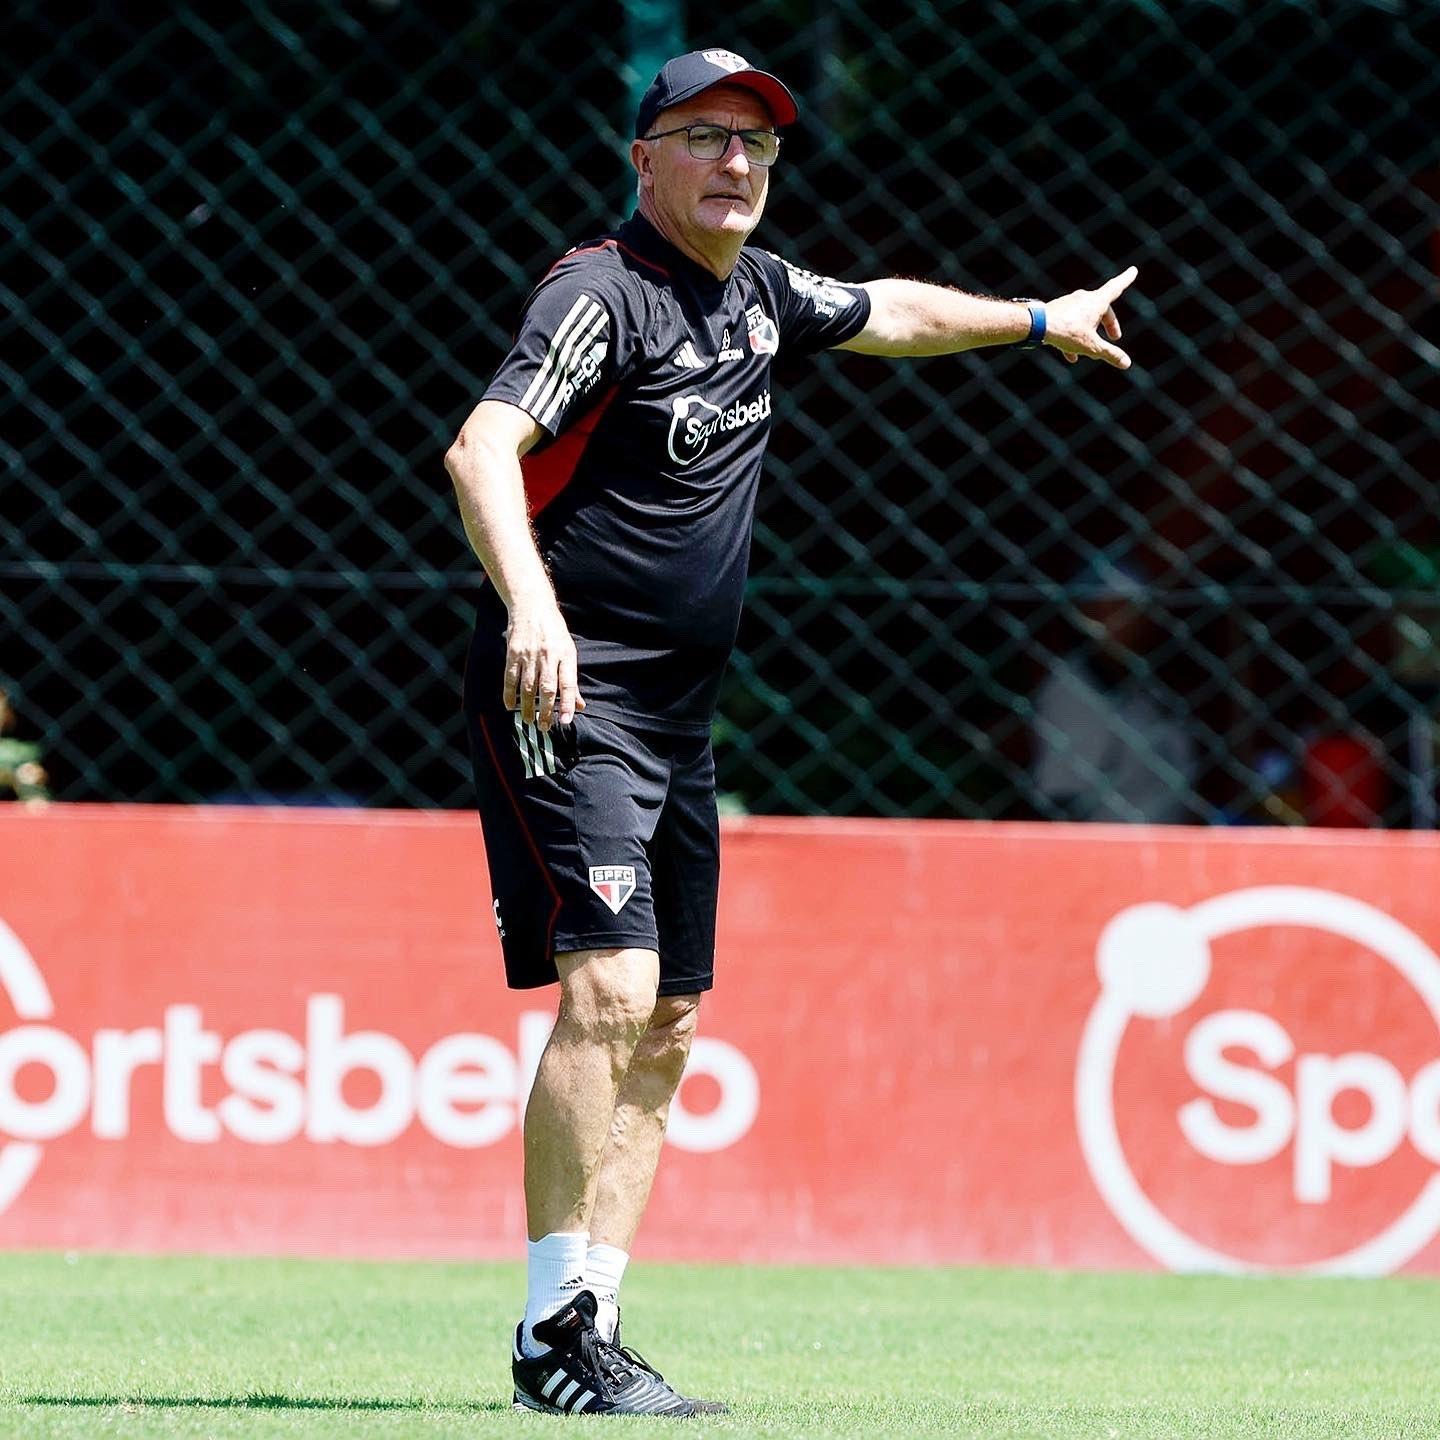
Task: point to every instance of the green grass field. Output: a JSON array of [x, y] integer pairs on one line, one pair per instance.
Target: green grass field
[[101, 1345]]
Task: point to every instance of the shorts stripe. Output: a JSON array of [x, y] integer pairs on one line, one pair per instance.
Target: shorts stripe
[[527, 750], [537, 753]]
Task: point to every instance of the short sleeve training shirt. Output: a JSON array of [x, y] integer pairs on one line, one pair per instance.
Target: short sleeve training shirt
[[652, 379]]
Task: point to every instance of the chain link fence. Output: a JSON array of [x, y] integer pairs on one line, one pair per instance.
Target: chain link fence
[[257, 262]]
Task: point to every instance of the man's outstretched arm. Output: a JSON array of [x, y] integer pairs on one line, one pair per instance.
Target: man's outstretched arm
[[909, 317]]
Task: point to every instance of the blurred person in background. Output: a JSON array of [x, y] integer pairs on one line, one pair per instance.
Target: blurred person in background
[[22, 772], [1111, 740], [607, 483], [1355, 764]]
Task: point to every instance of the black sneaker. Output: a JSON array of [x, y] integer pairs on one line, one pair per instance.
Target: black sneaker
[[580, 1374], [702, 1407]]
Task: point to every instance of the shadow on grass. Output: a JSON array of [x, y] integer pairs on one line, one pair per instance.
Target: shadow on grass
[[254, 1401]]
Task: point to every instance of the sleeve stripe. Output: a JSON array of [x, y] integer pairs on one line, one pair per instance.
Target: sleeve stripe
[[566, 346], [591, 327], [558, 339]]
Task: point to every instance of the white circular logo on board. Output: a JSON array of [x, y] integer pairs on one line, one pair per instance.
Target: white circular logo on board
[[1155, 963]]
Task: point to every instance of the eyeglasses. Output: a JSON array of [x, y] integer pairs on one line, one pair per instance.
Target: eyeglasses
[[711, 142]]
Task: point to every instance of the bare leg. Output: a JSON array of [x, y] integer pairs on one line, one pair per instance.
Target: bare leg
[[637, 1127], [607, 999]]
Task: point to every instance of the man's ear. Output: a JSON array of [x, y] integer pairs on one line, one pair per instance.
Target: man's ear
[[640, 159]]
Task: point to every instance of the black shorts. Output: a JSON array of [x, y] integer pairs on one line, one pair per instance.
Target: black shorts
[[598, 835]]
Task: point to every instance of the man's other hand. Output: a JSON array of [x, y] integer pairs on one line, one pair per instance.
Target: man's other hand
[[542, 677]]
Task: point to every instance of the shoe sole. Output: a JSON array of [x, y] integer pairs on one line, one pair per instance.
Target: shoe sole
[[531, 1407]]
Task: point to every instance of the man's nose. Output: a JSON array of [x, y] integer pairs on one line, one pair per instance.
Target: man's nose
[[735, 160]]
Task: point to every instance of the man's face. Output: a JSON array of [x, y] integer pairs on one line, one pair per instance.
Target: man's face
[[699, 199]]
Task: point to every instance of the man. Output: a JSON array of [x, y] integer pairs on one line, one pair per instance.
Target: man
[[607, 483]]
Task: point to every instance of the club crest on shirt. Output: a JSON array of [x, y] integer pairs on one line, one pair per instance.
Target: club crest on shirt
[[614, 884], [764, 337]]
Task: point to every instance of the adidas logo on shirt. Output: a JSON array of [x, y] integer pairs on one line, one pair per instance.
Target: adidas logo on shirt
[[686, 358]]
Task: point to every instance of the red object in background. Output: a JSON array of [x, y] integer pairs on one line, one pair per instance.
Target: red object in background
[[1344, 782], [262, 1031]]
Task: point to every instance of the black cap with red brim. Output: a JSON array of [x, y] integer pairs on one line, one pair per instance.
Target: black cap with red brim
[[686, 76]]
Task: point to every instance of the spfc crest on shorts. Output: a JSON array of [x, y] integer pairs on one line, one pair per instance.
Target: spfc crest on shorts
[[614, 884]]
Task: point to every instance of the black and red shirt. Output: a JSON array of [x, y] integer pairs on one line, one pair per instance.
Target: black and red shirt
[[653, 379]]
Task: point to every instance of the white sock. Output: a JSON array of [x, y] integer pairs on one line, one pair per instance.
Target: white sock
[[604, 1270], [556, 1274]]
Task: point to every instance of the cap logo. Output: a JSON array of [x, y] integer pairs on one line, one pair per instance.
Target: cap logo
[[726, 60]]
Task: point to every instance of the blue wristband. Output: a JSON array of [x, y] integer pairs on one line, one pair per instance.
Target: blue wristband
[[1036, 338]]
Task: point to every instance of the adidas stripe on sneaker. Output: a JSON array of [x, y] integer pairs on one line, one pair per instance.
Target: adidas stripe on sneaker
[[581, 1374]]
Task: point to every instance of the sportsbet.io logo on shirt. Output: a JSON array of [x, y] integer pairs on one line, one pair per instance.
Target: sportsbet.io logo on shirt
[[694, 420]]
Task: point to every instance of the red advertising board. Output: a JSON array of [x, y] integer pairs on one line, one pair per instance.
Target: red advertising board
[[930, 1041]]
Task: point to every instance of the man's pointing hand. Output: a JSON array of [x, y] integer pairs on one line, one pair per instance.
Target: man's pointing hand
[[1074, 322]]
